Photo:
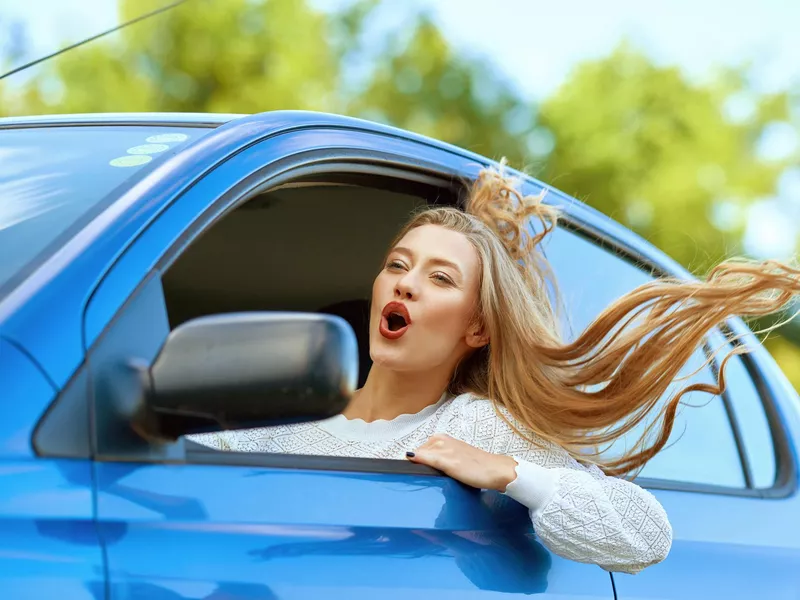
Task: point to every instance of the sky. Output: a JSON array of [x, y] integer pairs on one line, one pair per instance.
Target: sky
[[696, 35]]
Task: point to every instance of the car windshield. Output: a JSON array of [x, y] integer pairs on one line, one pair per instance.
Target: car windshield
[[53, 180]]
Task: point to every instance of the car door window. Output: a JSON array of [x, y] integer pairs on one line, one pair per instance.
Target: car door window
[[748, 409], [702, 448]]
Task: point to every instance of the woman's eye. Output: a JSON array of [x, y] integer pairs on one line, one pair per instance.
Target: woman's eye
[[394, 264], [442, 278]]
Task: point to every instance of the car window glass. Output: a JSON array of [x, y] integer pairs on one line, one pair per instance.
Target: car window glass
[[748, 409], [52, 177]]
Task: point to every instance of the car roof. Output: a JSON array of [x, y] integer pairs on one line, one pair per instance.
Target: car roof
[[155, 118]]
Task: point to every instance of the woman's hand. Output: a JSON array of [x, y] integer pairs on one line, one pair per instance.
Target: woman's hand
[[467, 464]]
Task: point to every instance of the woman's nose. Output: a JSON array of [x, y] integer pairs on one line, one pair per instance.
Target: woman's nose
[[405, 289]]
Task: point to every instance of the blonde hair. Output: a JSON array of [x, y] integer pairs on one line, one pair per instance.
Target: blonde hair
[[587, 393]]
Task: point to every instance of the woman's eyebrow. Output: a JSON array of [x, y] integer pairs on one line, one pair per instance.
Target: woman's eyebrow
[[443, 262], [403, 250]]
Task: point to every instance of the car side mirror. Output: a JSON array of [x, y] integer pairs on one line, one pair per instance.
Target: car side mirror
[[244, 370]]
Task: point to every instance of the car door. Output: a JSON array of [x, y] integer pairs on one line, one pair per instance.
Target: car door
[[726, 478], [49, 545], [200, 524]]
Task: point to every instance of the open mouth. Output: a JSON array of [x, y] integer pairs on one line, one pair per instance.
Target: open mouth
[[395, 320]]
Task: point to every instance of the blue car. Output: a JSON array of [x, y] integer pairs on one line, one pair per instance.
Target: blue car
[[169, 274]]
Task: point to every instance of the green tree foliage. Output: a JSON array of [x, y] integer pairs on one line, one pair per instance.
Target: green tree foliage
[[642, 144], [419, 82], [207, 56], [243, 56], [660, 154], [636, 140]]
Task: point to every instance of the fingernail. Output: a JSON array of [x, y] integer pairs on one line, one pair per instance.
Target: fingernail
[[410, 454]]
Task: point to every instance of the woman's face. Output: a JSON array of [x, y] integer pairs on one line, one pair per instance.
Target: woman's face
[[424, 302]]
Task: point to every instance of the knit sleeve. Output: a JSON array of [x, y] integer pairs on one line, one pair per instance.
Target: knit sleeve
[[577, 511], [218, 440]]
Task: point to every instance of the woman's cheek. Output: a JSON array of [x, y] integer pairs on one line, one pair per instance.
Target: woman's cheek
[[450, 318]]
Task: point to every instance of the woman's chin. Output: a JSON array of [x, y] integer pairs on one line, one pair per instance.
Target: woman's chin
[[393, 358], [390, 361]]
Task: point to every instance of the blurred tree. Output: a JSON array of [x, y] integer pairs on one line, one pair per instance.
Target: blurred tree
[[669, 159], [252, 56], [13, 46], [208, 56], [661, 155], [419, 82]]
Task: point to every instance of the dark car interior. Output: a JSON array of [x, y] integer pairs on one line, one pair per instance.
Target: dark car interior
[[310, 246]]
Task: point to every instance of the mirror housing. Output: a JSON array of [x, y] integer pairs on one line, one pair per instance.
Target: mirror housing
[[245, 370]]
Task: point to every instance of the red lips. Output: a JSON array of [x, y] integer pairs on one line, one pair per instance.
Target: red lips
[[395, 320]]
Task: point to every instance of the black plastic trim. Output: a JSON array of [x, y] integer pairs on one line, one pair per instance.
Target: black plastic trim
[[786, 469], [64, 429], [744, 459], [197, 454], [701, 488]]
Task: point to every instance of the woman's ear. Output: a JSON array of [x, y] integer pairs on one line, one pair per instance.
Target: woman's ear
[[477, 337]]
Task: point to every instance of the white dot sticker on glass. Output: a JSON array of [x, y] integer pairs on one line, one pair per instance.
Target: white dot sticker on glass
[[167, 138], [148, 149], [131, 160]]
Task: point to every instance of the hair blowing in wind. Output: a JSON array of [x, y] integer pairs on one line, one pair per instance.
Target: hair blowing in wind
[[586, 393]]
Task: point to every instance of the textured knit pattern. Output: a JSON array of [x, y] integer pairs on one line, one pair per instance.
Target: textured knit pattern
[[590, 517]]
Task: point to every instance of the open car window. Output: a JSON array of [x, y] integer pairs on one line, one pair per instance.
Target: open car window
[[307, 247]]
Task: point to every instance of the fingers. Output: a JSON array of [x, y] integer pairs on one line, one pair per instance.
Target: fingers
[[427, 456], [435, 442], [435, 452], [465, 463], [438, 440]]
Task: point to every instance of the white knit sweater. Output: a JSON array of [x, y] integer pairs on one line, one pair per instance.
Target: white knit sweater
[[577, 511]]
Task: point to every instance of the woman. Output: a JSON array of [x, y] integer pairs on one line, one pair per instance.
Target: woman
[[470, 376]]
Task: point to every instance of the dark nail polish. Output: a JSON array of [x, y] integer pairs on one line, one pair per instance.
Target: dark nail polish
[[410, 454]]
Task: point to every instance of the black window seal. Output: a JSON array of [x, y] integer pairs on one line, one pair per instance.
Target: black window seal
[[197, 454], [208, 456], [785, 468], [738, 436]]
